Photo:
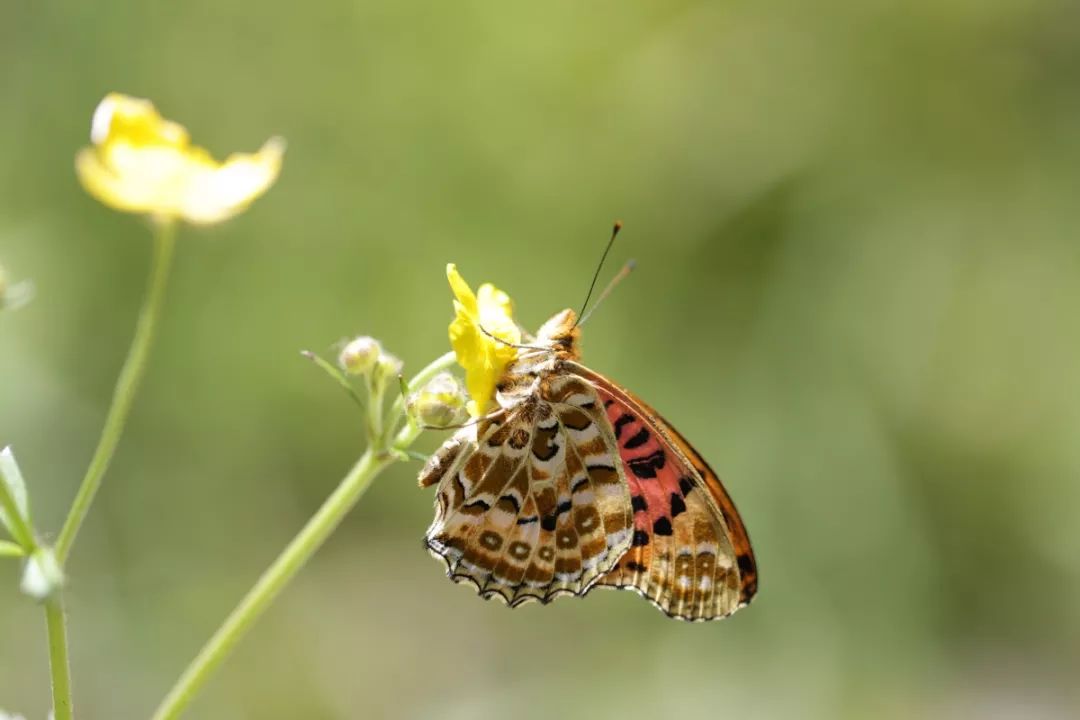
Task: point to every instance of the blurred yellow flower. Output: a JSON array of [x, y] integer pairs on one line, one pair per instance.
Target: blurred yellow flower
[[142, 163], [483, 357]]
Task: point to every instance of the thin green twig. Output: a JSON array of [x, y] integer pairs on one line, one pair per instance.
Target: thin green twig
[[58, 657], [126, 386], [337, 375]]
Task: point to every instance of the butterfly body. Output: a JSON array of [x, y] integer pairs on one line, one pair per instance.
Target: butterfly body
[[573, 483]]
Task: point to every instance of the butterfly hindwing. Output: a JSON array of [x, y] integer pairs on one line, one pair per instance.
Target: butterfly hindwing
[[690, 554], [532, 503]]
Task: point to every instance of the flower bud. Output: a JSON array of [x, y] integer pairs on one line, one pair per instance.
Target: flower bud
[[42, 575], [360, 355], [440, 403], [387, 367]]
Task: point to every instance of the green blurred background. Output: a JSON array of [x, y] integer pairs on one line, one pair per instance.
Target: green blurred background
[[858, 276]]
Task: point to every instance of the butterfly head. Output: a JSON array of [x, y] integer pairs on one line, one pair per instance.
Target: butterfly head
[[561, 333]]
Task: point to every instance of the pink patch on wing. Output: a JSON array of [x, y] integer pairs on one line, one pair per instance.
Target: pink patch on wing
[[652, 471]]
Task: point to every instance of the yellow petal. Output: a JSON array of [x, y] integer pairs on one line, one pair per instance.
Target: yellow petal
[[483, 357], [139, 180], [496, 312], [217, 193], [133, 120], [462, 292]]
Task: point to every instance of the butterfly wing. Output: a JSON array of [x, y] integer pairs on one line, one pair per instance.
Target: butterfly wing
[[532, 502], [690, 554]]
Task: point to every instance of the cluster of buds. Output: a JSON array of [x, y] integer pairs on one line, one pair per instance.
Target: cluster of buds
[[440, 402]]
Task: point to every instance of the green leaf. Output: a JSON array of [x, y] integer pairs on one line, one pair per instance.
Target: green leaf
[[14, 504]]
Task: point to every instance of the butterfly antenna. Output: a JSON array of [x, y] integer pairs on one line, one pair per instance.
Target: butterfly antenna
[[510, 344], [600, 266], [619, 277], [474, 421]]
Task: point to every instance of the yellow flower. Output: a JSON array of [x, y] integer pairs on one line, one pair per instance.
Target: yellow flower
[[142, 163], [483, 357]]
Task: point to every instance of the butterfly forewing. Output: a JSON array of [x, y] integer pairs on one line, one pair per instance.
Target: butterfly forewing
[[690, 554], [532, 502]]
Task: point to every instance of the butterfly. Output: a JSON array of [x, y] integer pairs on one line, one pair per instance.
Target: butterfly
[[574, 483]]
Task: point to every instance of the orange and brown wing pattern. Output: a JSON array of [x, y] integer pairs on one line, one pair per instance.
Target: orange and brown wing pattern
[[690, 554], [532, 503]]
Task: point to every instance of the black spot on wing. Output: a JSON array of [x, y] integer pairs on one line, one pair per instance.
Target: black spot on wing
[[686, 484], [662, 527], [563, 507], [478, 504], [622, 421], [579, 484], [646, 467], [677, 504], [527, 520], [638, 503], [639, 439], [641, 538], [635, 566], [548, 522]]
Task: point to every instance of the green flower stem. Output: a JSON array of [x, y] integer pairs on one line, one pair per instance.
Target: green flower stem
[[292, 558], [375, 410], [58, 657], [126, 386]]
